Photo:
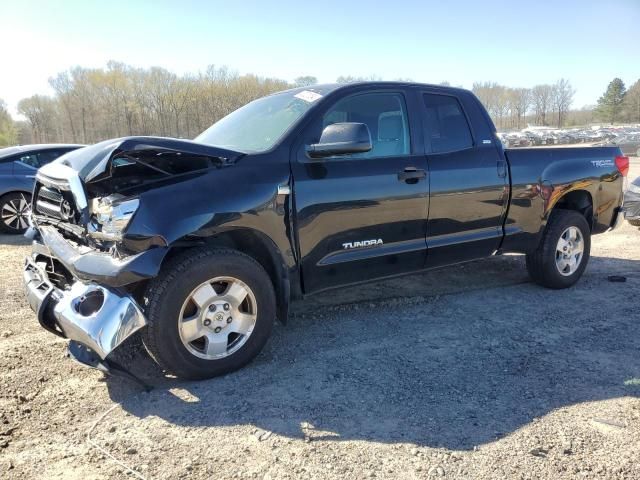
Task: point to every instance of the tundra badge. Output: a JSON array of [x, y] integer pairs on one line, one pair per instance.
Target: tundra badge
[[363, 243]]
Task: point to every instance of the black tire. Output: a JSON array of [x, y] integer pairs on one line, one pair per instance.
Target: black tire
[[14, 202], [167, 293], [541, 264], [634, 221]]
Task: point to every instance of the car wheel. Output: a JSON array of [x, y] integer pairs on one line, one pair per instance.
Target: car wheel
[[14, 212], [563, 253], [210, 312]]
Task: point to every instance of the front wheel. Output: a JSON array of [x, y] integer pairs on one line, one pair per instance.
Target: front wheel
[[14, 212], [563, 253], [210, 312]]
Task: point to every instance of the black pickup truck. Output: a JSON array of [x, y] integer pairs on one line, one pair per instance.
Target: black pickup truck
[[202, 244]]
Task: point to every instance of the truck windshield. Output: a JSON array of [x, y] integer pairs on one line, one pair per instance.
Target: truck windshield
[[259, 125]]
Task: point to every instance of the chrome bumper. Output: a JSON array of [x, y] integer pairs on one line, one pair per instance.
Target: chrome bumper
[[97, 317]]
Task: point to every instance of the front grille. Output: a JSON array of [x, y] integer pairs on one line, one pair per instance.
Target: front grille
[[48, 209], [55, 203], [50, 194]]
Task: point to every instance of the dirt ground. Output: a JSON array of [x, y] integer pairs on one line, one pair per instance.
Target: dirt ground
[[469, 372]]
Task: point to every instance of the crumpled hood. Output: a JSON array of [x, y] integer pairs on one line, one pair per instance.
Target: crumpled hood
[[95, 160]]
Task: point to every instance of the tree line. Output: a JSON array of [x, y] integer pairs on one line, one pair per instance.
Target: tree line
[[546, 104], [92, 104]]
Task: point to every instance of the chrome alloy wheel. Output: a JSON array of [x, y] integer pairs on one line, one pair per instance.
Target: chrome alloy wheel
[[15, 213], [217, 318], [569, 251]]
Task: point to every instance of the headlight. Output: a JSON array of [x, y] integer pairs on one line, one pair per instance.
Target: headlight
[[112, 215]]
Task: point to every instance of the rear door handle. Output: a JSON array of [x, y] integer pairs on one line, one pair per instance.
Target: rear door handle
[[411, 175]]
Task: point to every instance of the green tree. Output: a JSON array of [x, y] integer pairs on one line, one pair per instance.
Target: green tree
[[8, 132], [631, 104], [610, 104]]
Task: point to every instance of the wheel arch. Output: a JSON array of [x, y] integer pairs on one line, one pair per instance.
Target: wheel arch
[[12, 191], [255, 244], [578, 200]]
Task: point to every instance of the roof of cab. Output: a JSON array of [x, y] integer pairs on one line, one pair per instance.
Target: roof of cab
[[326, 88]]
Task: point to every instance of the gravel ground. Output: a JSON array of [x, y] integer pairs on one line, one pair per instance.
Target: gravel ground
[[467, 372]]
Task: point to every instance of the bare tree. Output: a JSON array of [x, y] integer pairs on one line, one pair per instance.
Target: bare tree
[[305, 81], [541, 96], [561, 98], [40, 111], [63, 86], [521, 104], [352, 79], [83, 99], [495, 99]]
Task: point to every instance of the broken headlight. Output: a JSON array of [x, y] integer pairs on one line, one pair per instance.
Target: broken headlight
[[111, 215]]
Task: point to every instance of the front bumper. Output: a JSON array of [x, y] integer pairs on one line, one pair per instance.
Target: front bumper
[[632, 206], [92, 266], [99, 318]]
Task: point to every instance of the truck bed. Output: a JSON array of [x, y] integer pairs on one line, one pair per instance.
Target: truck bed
[[541, 176]]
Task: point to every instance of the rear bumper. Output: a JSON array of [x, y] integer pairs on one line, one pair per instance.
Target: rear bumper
[[97, 317]]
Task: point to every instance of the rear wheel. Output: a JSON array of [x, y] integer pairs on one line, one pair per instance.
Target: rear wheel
[[209, 313], [14, 212], [560, 259]]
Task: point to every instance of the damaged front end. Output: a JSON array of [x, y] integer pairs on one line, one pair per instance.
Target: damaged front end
[[96, 317], [631, 204], [86, 266]]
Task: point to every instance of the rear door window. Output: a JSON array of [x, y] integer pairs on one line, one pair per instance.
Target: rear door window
[[30, 159], [446, 126], [40, 158], [49, 156]]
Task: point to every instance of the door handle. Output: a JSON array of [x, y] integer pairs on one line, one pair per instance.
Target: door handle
[[502, 168], [411, 175]]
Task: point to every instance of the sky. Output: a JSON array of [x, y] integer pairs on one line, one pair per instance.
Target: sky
[[514, 43]]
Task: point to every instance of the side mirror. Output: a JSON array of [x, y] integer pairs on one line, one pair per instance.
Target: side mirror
[[341, 139]]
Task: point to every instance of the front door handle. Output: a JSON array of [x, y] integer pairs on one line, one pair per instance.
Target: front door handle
[[411, 175]]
